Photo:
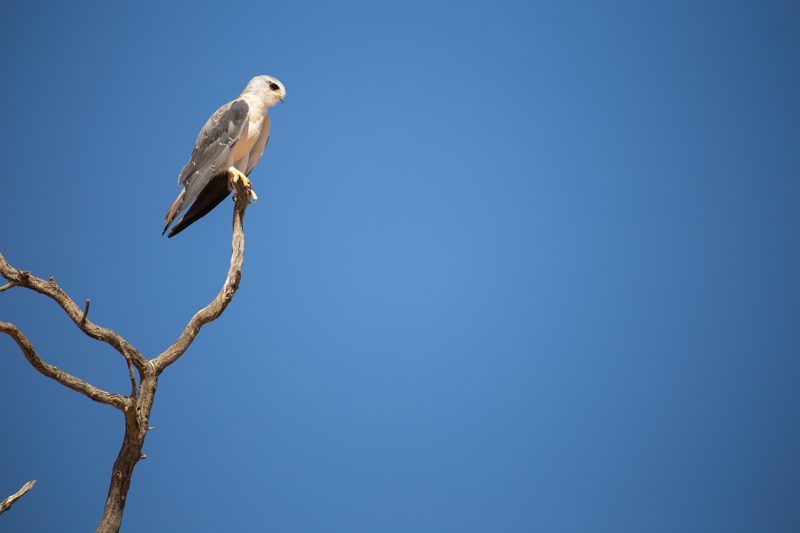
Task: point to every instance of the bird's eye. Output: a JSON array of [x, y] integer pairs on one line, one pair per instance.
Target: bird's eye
[[273, 86]]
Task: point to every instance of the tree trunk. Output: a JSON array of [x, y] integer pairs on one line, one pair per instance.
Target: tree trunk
[[137, 417]]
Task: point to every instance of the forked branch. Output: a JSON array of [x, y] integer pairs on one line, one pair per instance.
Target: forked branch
[[52, 290], [136, 407]]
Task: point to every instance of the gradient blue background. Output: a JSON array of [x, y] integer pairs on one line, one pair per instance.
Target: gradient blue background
[[516, 267]]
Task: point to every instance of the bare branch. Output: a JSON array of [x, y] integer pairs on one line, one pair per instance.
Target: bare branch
[[6, 286], [6, 504], [66, 379], [57, 294], [213, 310]]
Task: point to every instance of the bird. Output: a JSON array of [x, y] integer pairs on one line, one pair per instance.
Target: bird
[[227, 149]]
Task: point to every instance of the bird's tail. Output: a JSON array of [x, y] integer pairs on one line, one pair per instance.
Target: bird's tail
[[176, 208], [216, 191]]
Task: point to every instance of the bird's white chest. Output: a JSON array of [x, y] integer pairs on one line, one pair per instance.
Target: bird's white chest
[[249, 137]]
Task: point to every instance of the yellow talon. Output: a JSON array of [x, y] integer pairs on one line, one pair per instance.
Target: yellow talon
[[237, 175]]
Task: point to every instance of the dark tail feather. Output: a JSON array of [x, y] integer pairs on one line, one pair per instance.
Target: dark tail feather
[[209, 198]]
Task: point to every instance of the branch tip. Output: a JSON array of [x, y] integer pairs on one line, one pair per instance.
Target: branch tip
[[6, 504]]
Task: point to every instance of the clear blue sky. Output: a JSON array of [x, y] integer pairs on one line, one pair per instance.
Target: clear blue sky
[[516, 267]]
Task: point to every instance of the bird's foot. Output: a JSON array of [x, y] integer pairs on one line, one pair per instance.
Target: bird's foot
[[236, 175]]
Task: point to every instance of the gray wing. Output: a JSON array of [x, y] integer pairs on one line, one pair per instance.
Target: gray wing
[[211, 149]]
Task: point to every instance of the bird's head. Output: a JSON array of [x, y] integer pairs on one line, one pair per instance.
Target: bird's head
[[271, 88]]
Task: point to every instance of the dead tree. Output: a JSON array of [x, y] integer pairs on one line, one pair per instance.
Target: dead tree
[[135, 406]]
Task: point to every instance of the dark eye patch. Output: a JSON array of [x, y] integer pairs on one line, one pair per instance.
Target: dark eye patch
[[273, 86]]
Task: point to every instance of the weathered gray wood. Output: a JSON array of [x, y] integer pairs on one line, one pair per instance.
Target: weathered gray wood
[[213, 310], [51, 289], [6, 504], [66, 379]]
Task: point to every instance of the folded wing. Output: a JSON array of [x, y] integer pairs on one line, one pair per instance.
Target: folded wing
[[207, 167]]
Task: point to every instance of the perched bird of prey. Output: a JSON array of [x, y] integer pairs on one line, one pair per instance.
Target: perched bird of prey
[[227, 149]]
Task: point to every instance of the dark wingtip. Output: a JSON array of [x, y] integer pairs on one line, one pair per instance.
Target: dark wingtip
[[213, 193], [179, 227]]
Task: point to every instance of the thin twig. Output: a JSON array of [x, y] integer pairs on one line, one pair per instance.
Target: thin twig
[[6, 504], [7, 286], [52, 372], [131, 375], [85, 313]]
